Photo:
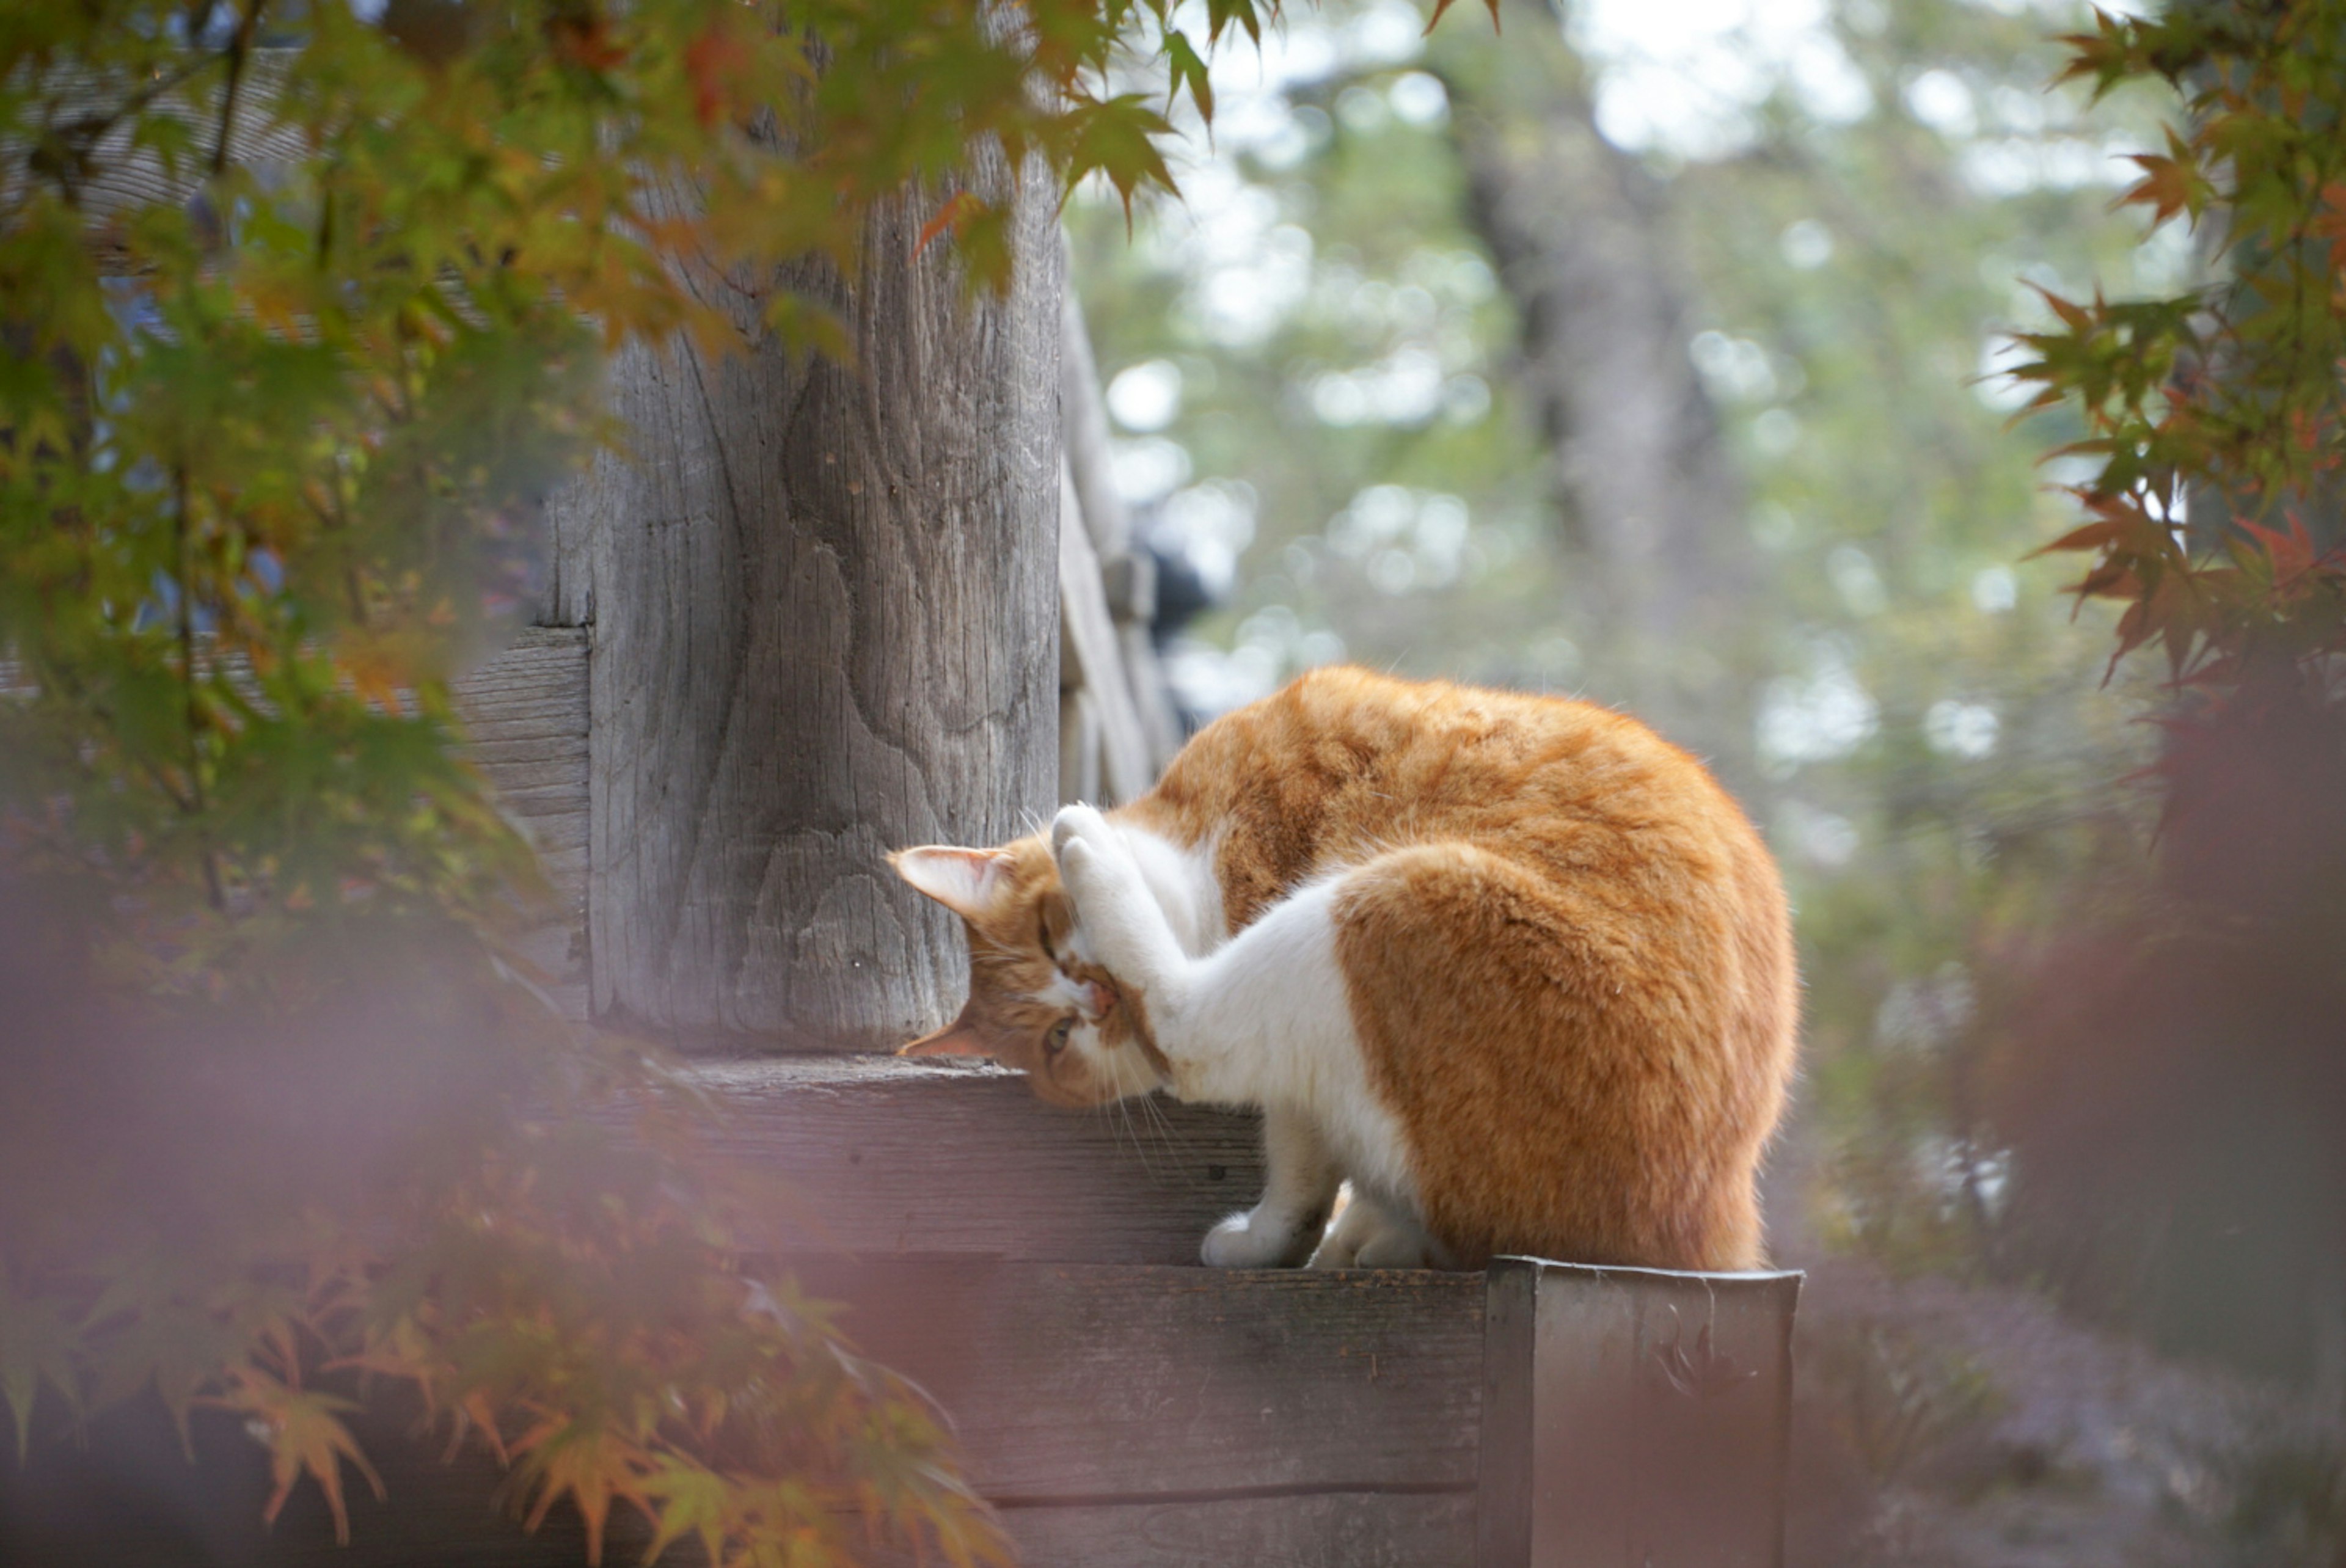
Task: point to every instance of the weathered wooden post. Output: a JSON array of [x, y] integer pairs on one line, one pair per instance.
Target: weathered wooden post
[[1633, 1417], [823, 607]]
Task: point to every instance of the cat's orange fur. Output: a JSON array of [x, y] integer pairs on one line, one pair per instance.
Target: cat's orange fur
[[1567, 955]]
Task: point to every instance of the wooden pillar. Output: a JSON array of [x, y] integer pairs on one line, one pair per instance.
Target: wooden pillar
[[824, 622]]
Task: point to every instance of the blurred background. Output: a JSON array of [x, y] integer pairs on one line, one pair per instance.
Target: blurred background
[[1657, 355]]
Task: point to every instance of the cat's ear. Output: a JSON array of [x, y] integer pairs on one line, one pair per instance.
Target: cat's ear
[[955, 1039], [964, 881]]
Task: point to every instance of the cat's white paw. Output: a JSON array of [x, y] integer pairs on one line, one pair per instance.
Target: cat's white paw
[[1395, 1249], [1116, 913], [1079, 821], [1334, 1251], [1368, 1234], [1253, 1240]]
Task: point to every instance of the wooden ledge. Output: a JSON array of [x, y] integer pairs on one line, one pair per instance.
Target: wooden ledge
[[891, 1158]]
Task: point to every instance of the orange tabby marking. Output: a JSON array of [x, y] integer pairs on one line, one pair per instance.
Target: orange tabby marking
[[1566, 956]]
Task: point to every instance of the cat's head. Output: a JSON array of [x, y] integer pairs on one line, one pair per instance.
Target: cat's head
[[1036, 1003]]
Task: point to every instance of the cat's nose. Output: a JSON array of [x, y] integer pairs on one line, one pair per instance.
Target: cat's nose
[[1098, 1000]]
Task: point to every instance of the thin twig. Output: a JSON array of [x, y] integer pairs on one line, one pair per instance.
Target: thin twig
[[183, 533], [239, 49], [90, 129]]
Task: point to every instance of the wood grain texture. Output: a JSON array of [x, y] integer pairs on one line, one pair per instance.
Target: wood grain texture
[[1327, 1530], [1083, 415], [1659, 1419], [525, 712], [1148, 1416], [1072, 1383], [1126, 570], [1503, 1503], [893, 1157], [825, 624], [1091, 659], [1137, 1417]]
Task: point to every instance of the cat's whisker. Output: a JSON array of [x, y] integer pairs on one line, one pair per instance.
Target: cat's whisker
[[1171, 1136], [1139, 1144]]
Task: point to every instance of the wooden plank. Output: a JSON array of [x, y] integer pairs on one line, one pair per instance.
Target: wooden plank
[[1323, 1530], [1503, 1519], [132, 1501], [1079, 745], [1128, 571], [1659, 1406], [1083, 424], [525, 713], [1088, 643], [882, 1156], [1072, 1383]]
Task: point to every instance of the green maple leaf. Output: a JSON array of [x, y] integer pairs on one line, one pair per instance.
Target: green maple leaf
[[39, 1344]]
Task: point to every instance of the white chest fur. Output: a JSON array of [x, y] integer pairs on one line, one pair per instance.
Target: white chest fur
[[1261, 1018]]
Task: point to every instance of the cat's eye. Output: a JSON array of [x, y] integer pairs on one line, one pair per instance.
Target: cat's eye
[[1056, 1040]]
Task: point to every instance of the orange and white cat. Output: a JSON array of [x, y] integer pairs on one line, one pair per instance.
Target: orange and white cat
[[1514, 966]]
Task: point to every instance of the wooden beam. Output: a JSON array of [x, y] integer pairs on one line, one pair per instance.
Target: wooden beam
[[1324, 1530], [526, 711], [882, 1156], [1091, 657], [1074, 1385]]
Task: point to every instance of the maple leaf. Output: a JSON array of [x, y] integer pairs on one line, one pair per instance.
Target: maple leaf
[[1184, 68], [1221, 13], [589, 1461], [955, 214], [2171, 182], [1117, 138], [688, 1498], [715, 61], [304, 1435], [39, 1342]]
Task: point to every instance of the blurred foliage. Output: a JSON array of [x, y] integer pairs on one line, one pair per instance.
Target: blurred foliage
[[2287, 1502], [399, 1177], [2225, 401], [2172, 1083], [1891, 1396], [302, 311]]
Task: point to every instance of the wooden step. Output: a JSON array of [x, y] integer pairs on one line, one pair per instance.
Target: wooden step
[[1153, 1415], [526, 713], [1537, 1416], [886, 1157]]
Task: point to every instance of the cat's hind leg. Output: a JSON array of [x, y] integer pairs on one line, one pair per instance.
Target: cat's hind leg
[[1377, 1233], [1300, 1185]]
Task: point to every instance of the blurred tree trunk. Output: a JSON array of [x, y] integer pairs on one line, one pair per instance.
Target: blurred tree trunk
[[825, 613], [1648, 497]]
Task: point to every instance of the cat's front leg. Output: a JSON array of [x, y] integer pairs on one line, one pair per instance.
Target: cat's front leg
[[1299, 1184], [1116, 914]]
